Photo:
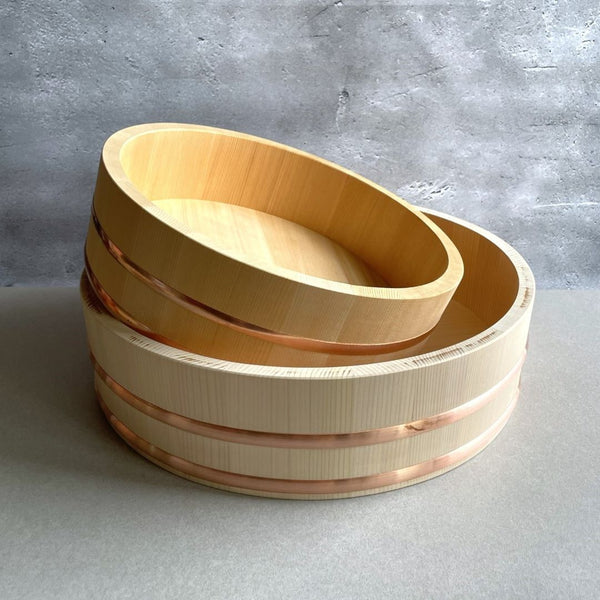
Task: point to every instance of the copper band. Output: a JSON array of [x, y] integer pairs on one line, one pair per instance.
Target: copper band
[[308, 486], [300, 440], [118, 312], [215, 315]]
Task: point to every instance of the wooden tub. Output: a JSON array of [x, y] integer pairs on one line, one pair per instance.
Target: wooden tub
[[216, 241], [327, 432]]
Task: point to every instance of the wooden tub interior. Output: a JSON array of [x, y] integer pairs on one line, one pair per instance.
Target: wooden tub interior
[[281, 209]]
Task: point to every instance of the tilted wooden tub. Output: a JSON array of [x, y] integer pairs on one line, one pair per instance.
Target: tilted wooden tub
[[216, 241], [327, 432]]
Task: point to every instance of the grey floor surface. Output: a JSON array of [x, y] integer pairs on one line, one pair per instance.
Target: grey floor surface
[[83, 516]]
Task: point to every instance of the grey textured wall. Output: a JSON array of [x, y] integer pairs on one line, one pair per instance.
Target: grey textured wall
[[487, 110]]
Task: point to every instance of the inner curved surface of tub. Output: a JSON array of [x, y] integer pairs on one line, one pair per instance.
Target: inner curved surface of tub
[[272, 207], [488, 290], [267, 241]]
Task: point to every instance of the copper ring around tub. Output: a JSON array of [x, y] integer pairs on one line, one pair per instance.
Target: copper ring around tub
[[307, 486], [216, 316], [300, 440]]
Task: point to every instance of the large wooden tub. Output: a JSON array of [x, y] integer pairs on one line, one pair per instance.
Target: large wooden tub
[[327, 432]]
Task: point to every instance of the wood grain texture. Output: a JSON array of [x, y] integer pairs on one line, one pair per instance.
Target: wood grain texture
[[188, 330], [265, 241], [309, 463], [312, 489], [373, 268], [479, 363]]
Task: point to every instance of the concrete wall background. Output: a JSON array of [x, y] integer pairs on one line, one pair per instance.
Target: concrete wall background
[[488, 110]]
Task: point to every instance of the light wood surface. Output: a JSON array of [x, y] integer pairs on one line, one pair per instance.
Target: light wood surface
[[267, 241], [296, 237], [467, 314], [435, 409], [188, 330], [308, 463]]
